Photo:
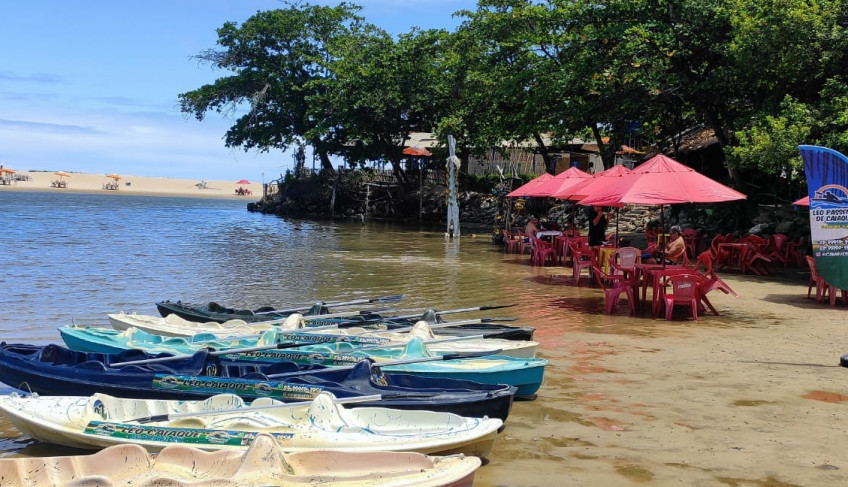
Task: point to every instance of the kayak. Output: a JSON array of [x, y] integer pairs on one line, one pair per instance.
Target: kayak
[[225, 421], [58, 371], [264, 463]]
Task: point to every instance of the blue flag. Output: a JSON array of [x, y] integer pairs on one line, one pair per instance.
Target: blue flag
[[827, 187]]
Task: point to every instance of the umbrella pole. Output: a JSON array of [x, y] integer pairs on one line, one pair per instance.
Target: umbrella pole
[[662, 232]]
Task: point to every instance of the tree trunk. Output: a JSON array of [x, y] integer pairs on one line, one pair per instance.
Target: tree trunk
[[326, 164], [543, 151], [602, 149]]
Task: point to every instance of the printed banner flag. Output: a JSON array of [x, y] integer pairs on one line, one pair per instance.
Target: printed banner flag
[[827, 187]]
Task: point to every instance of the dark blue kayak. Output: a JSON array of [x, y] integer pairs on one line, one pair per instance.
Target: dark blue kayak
[[56, 370]]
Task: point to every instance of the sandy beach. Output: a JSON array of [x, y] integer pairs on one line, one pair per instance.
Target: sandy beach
[[729, 400], [130, 184]]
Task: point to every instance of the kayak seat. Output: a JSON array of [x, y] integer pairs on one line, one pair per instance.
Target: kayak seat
[[217, 308], [264, 309]]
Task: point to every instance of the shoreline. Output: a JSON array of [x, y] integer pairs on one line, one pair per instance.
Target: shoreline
[[88, 183]]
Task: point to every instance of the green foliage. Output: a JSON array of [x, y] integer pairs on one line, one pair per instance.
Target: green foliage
[[770, 144]]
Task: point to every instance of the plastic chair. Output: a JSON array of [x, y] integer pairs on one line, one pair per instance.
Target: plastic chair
[[754, 260], [692, 238], [720, 257], [584, 258], [774, 248], [541, 252], [823, 289], [792, 252], [523, 242], [613, 287], [711, 281], [686, 291], [511, 241]]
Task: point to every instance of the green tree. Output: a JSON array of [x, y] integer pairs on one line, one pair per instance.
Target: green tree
[[277, 59]]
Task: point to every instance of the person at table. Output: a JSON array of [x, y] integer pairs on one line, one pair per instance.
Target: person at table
[[597, 226], [674, 249], [533, 226]]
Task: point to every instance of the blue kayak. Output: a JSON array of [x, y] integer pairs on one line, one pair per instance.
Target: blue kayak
[[56, 370], [524, 373]]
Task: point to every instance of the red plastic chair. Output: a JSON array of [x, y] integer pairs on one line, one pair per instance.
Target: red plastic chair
[[613, 287], [823, 289], [523, 242], [774, 248], [792, 252], [685, 291], [511, 241], [692, 238], [711, 281], [584, 258], [541, 252], [720, 257]]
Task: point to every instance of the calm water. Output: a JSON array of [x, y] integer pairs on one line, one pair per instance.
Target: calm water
[[75, 257]]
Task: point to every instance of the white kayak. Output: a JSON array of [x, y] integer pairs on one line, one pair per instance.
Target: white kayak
[[264, 463], [226, 422], [174, 326]]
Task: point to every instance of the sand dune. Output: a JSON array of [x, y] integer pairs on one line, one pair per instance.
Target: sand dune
[[129, 184]]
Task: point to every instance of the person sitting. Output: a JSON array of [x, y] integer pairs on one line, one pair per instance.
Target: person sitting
[[674, 249], [532, 227]]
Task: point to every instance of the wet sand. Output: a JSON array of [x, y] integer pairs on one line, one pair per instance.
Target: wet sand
[[725, 401]]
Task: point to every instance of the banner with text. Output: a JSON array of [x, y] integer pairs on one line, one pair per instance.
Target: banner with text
[[827, 187]]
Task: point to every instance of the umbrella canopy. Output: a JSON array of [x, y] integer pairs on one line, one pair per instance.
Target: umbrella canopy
[[597, 183], [662, 181], [113, 176], [417, 151], [61, 174], [805, 201], [561, 183], [243, 181], [6, 170], [529, 187]]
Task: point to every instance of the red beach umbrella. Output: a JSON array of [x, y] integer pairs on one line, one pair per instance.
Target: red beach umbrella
[[528, 188], [662, 181], [243, 181], [805, 201], [416, 151], [561, 183]]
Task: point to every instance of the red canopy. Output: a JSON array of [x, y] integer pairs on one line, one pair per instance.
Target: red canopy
[[561, 183], [805, 201], [417, 151], [529, 187], [662, 181], [599, 181]]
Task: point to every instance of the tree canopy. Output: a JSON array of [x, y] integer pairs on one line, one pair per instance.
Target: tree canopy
[[763, 75]]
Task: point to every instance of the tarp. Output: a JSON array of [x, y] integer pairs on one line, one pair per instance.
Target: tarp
[[827, 189], [662, 181]]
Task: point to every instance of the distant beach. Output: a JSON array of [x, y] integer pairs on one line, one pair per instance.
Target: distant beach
[[77, 182]]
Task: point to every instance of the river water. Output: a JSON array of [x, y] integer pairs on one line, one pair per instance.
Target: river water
[[73, 258]]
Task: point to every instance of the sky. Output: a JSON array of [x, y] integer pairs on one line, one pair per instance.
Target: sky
[[92, 85]]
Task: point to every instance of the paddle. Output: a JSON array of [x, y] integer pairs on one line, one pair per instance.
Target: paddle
[[437, 358], [426, 342], [213, 353], [453, 323], [394, 298], [452, 311]]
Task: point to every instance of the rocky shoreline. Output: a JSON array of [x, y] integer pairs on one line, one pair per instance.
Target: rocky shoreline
[[479, 211]]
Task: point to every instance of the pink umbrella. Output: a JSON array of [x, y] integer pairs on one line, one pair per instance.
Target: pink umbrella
[[662, 181], [243, 181], [561, 183], [805, 201], [600, 180], [528, 188]]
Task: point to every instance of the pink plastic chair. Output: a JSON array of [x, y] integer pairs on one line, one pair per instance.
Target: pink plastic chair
[[584, 258], [685, 291], [541, 252], [613, 287], [511, 241]]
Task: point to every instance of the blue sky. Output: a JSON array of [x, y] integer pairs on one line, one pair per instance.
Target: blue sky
[[92, 85]]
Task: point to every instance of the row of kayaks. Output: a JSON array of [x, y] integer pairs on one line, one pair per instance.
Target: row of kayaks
[[347, 383]]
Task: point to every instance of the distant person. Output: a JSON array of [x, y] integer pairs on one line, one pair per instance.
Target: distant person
[[532, 227], [597, 226], [674, 249], [591, 169]]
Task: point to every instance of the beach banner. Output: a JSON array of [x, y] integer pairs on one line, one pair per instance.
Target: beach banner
[[827, 187]]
